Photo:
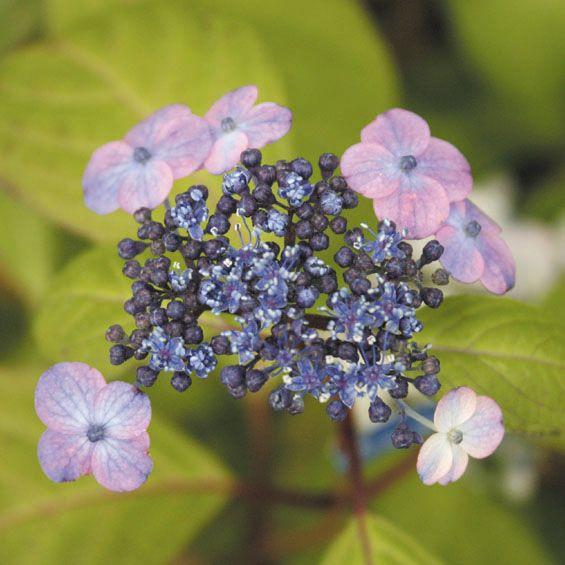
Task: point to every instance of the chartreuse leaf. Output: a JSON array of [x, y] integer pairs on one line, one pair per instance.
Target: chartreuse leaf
[[27, 249], [63, 97], [384, 543], [19, 19], [336, 69], [44, 522], [82, 302], [554, 302], [507, 350], [527, 74], [459, 524]]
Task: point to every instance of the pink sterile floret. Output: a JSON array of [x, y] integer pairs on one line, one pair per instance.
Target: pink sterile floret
[[466, 424], [474, 250], [237, 125], [93, 427], [139, 171], [411, 176]]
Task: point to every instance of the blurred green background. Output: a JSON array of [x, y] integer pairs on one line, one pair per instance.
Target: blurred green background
[[488, 75]]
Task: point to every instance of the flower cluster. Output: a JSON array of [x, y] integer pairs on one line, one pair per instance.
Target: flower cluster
[[421, 182], [295, 322], [304, 325]]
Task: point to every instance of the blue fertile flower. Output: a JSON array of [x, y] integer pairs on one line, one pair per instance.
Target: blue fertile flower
[[167, 354], [376, 376], [202, 360], [311, 376], [247, 342], [190, 213], [385, 243], [295, 189], [343, 384], [392, 312], [352, 315], [224, 290]]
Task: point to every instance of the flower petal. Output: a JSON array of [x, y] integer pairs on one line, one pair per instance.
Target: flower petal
[[434, 459], [457, 406], [122, 465], [175, 135], [500, 269], [104, 175], [265, 123], [371, 170], [460, 256], [460, 461], [226, 152], [483, 432], [400, 131], [185, 146], [232, 105], [64, 457], [420, 206], [158, 127], [122, 409], [64, 396], [447, 165], [145, 185], [463, 212]]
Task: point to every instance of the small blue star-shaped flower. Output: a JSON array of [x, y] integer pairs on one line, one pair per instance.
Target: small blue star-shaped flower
[[167, 354]]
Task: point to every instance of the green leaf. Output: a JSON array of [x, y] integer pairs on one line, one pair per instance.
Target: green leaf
[[518, 47], [63, 97], [384, 544], [83, 301], [19, 20], [338, 77], [507, 350], [554, 302], [44, 522], [461, 525], [27, 249]]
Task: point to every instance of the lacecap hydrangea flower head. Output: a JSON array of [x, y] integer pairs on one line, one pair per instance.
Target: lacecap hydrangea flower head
[[304, 326]]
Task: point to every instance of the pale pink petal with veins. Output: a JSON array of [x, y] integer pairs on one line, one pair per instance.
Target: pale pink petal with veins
[[122, 464], [226, 152], [266, 123], [483, 432], [371, 170], [175, 135], [104, 176], [460, 256], [123, 410], [420, 206], [499, 275], [64, 457], [402, 132], [64, 396], [447, 165], [457, 406], [458, 466], [145, 185], [434, 459], [234, 105]]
